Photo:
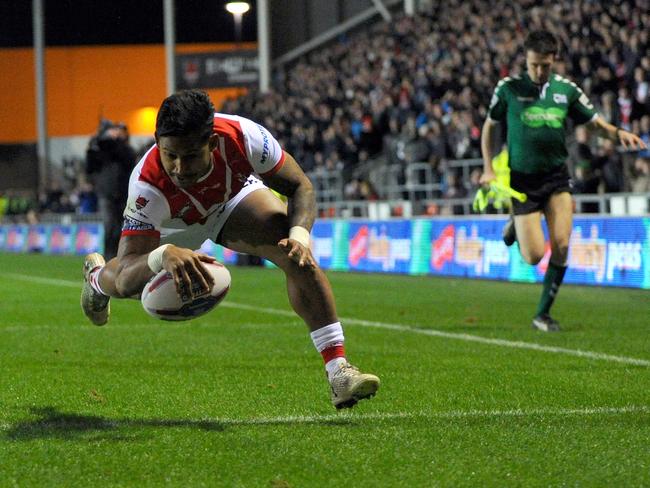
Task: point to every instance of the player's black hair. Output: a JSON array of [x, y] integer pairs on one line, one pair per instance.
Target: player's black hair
[[542, 42], [185, 112]]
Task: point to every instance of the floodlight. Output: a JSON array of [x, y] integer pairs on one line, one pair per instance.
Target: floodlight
[[238, 7]]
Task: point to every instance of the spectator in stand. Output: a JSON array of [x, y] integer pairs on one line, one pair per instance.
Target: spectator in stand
[[641, 89], [109, 161], [18, 205], [454, 188], [610, 163], [87, 199], [641, 176], [50, 200], [586, 177], [65, 205]]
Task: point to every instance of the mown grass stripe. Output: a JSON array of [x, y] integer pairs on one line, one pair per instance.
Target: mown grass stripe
[[395, 327]]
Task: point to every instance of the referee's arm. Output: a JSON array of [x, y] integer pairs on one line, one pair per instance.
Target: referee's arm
[[627, 139]]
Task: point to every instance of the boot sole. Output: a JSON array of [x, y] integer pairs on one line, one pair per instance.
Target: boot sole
[[367, 389]]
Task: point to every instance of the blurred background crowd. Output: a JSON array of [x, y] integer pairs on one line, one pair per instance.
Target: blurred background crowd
[[417, 89], [414, 90]]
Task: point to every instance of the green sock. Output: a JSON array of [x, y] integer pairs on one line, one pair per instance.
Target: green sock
[[552, 281]]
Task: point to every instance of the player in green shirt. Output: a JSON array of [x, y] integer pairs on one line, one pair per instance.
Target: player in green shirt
[[535, 107]]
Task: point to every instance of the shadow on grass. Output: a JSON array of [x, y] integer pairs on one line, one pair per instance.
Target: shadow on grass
[[51, 423]]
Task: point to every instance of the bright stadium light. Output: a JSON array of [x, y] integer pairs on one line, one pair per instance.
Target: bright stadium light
[[238, 9]]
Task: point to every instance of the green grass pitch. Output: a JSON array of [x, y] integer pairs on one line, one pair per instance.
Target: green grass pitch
[[470, 395]]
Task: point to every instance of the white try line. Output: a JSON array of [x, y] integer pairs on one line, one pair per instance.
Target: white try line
[[351, 416], [395, 327]]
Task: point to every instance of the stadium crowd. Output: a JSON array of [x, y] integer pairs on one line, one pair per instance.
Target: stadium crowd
[[417, 88]]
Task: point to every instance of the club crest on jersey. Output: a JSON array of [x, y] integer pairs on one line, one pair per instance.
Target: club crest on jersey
[[559, 98], [141, 202]]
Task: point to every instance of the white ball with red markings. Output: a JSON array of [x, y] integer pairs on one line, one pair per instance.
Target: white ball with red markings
[[161, 300]]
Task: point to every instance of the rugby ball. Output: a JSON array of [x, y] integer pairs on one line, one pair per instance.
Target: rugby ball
[[161, 300]]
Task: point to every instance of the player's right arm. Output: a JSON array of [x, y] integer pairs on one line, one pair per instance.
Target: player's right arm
[[133, 269], [496, 112], [145, 211]]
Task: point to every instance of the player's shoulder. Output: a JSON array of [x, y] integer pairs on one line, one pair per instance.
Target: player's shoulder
[[508, 82], [232, 125], [563, 82], [148, 192]]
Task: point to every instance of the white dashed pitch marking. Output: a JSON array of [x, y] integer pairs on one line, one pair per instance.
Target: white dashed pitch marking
[[353, 416], [388, 326]]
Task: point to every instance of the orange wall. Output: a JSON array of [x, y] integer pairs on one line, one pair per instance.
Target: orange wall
[[84, 83], [17, 98]]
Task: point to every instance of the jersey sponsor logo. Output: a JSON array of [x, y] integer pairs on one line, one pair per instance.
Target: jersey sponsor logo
[[141, 202], [266, 145], [559, 98], [526, 99], [134, 224], [536, 117]]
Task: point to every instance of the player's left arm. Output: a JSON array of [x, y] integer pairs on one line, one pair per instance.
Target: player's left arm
[[292, 182], [627, 139]]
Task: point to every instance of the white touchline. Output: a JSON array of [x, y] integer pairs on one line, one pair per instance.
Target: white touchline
[[457, 336], [453, 414], [353, 416], [387, 326]]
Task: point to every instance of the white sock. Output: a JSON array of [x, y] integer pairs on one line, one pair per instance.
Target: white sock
[[327, 336], [327, 340]]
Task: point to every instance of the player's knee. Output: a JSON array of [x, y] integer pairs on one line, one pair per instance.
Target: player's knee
[[124, 287], [533, 256]]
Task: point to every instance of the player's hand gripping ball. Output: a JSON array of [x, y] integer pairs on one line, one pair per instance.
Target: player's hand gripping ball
[[161, 300]]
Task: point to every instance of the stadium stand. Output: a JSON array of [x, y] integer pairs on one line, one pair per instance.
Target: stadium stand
[[392, 112], [398, 102]]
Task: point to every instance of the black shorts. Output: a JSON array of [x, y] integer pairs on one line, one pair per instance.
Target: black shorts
[[538, 187]]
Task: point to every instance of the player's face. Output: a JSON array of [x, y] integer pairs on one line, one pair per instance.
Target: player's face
[[185, 158], [539, 66]]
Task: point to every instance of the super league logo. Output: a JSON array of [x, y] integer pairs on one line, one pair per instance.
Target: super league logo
[[141, 202]]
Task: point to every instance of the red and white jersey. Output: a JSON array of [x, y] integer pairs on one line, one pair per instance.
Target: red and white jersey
[[156, 206]]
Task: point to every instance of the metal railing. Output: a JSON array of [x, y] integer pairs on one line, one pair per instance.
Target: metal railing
[[329, 185], [415, 189], [618, 204]]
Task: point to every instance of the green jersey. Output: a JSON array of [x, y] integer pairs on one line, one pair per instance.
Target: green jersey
[[536, 119]]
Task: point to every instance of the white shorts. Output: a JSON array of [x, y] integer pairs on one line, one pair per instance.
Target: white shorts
[[193, 236]]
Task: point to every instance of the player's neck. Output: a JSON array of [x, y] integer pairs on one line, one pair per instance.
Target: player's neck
[[208, 171]]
